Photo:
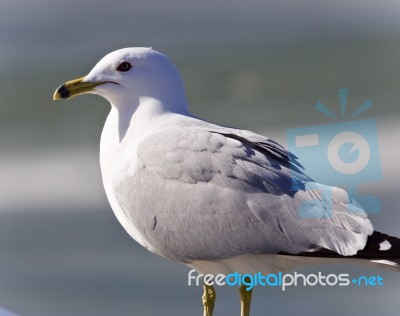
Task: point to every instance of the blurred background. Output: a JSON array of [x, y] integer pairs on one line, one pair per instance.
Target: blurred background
[[260, 65]]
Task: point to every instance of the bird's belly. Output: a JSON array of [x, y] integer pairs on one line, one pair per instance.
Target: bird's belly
[[128, 223], [122, 193]]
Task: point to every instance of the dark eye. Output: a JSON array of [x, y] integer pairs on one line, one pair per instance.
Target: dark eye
[[125, 66]]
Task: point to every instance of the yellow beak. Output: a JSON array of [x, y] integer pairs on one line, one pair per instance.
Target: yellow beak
[[75, 87]]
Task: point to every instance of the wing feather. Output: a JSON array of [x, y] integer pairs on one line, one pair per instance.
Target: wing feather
[[225, 192]]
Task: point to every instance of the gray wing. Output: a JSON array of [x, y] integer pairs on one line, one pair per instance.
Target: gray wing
[[219, 193]]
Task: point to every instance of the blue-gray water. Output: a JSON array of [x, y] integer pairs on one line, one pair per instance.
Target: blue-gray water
[[259, 65]]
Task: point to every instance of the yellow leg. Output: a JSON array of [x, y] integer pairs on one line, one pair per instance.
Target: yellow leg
[[208, 299], [245, 300]]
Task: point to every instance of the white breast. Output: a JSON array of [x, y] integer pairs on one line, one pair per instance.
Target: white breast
[[118, 161]]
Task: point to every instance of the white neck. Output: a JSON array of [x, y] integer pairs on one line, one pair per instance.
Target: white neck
[[139, 116]]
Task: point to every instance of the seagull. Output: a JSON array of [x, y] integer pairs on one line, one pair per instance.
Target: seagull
[[217, 199]]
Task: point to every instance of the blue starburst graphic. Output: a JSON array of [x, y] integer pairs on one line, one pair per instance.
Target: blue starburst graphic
[[343, 154]]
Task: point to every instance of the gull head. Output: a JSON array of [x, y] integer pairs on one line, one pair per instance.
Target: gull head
[[127, 77]]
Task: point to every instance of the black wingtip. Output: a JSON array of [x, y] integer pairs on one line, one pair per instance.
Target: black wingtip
[[379, 246]]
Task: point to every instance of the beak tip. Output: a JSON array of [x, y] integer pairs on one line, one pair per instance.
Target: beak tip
[[75, 87], [62, 92]]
